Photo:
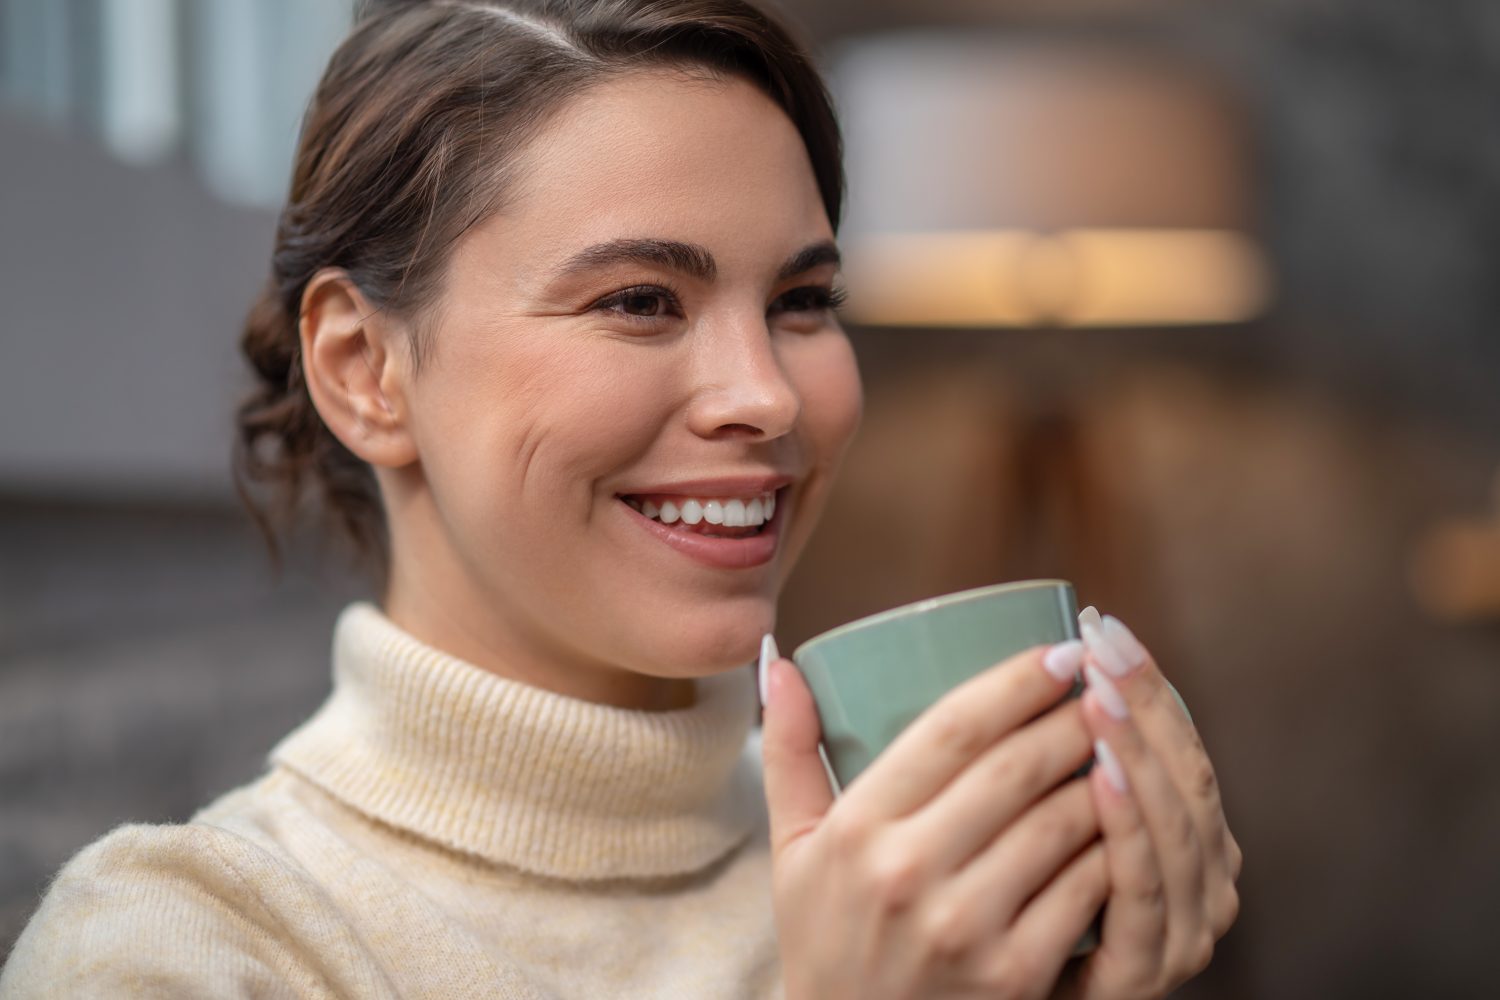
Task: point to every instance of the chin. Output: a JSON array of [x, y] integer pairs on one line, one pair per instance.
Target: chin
[[710, 644]]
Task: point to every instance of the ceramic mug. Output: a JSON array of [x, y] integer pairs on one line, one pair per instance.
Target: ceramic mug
[[872, 677]]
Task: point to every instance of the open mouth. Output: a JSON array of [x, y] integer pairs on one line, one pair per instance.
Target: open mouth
[[713, 517]]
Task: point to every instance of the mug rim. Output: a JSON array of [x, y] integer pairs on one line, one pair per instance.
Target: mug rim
[[924, 605]]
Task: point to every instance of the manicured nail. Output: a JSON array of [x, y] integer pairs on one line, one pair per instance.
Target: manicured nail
[[1177, 697], [768, 652], [1113, 772], [1108, 656], [1125, 641], [1063, 660], [1109, 696], [1089, 616]]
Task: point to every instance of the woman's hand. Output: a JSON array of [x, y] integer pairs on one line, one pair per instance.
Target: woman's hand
[[1172, 860], [964, 862]]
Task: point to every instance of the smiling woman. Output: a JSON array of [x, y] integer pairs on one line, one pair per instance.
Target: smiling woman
[[551, 330], [647, 316]]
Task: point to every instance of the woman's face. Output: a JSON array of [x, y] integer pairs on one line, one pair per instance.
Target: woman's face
[[643, 329]]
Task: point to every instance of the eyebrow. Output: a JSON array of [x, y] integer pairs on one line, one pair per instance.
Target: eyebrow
[[809, 257], [689, 258]]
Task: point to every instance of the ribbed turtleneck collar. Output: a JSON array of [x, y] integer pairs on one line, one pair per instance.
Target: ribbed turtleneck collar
[[553, 785]]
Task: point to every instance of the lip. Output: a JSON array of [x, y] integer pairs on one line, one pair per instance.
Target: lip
[[718, 553], [723, 486]]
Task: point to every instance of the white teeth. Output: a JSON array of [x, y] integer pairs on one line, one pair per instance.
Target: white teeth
[[732, 512]]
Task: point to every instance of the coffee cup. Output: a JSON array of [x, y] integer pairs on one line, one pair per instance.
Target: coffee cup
[[872, 677]]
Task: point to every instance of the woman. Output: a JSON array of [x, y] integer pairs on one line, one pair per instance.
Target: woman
[[550, 328]]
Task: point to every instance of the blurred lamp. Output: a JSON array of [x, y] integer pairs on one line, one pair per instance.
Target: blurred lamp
[[1455, 570], [1000, 184]]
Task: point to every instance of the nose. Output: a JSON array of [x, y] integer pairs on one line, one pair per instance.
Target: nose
[[741, 388]]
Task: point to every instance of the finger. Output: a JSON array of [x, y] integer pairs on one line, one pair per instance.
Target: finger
[[957, 728], [1157, 707], [797, 791], [991, 889], [1167, 820], [1129, 663], [998, 787], [1166, 727], [1047, 931], [1134, 932]]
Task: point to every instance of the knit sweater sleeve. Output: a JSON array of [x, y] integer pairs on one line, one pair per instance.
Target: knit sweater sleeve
[[184, 911]]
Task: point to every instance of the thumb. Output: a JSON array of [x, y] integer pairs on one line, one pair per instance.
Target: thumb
[[797, 789]]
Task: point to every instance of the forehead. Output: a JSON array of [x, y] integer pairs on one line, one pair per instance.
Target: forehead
[[670, 154]]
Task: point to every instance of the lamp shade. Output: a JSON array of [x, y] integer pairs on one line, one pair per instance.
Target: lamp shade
[[995, 183]]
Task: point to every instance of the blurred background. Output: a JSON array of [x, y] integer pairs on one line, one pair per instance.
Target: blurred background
[[1192, 304]]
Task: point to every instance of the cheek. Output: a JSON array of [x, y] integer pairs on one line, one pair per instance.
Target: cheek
[[531, 422], [594, 411], [827, 378], [824, 370]]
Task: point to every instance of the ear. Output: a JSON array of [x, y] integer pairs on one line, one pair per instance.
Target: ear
[[356, 362]]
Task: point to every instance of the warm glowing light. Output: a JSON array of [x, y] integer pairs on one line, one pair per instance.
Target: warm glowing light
[[1455, 573], [1076, 277]]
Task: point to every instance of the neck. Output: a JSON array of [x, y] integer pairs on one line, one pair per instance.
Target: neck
[[435, 600]]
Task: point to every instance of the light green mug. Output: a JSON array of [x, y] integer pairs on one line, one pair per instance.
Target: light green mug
[[872, 677]]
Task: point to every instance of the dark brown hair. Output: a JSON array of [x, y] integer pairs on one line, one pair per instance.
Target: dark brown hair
[[405, 147]]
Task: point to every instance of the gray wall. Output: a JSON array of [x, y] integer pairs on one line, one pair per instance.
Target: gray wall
[[123, 289]]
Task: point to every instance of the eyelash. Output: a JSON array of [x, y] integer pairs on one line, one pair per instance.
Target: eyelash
[[822, 299]]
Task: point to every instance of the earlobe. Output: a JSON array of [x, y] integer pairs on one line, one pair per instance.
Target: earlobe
[[355, 361]]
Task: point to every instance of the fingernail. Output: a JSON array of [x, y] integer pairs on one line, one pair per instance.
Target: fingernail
[[768, 652], [1125, 641], [1063, 660], [1089, 616], [1113, 772], [1109, 657], [1109, 696]]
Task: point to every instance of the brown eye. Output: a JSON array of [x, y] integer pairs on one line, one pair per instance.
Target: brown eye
[[809, 298], [642, 304], [646, 302]]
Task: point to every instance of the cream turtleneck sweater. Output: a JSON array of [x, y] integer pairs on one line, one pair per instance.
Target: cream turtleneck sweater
[[437, 831]]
